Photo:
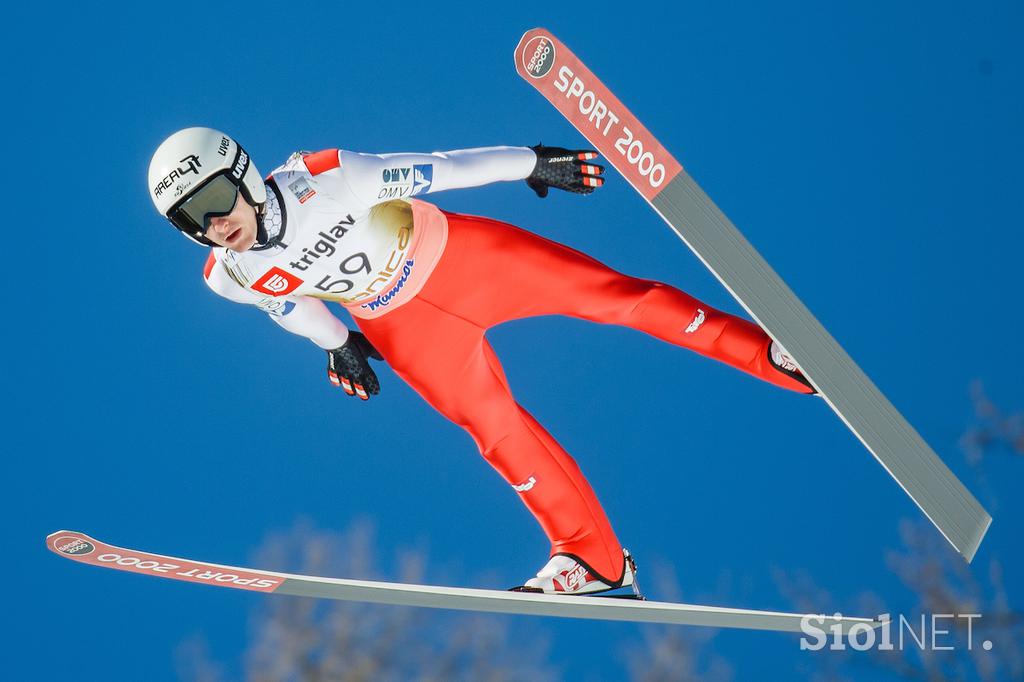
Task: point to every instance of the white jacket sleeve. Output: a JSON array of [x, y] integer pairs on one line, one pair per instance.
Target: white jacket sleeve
[[372, 178], [310, 317], [301, 315]]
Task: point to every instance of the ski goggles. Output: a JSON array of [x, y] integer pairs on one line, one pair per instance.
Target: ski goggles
[[215, 198]]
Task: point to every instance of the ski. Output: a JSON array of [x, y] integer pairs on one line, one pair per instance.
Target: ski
[[82, 548], [546, 64]]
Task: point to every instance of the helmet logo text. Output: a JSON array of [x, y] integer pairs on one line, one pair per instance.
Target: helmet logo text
[[240, 165], [190, 165]]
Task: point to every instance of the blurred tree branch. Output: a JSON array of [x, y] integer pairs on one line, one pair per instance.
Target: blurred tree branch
[[305, 640], [669, 653], [994, 432], [941, 583]]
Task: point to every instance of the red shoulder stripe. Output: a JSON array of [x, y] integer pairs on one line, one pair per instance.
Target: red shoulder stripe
[[319, 162], [208, 268]]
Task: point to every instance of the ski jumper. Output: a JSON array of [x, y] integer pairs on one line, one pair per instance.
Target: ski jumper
[[425, 285]]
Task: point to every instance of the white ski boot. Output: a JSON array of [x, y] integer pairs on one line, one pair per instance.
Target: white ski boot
[[782, 359], [785, 363], [565, 575]]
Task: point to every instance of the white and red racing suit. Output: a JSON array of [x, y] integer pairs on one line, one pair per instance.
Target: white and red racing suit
[[425, 285]]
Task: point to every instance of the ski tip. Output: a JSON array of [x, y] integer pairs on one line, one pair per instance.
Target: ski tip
[[968, 551], [534, 30], [55, 533], [71, 544]]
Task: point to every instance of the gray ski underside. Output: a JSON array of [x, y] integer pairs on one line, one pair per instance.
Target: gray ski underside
[[82, 548], [864, 409], [594, 607]]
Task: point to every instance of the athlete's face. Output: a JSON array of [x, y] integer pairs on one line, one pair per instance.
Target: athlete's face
[[236, 230]]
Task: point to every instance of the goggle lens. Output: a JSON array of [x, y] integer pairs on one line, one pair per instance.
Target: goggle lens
[[216, 198]]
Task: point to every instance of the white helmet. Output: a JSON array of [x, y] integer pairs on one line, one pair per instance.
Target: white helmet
[[196, 174]]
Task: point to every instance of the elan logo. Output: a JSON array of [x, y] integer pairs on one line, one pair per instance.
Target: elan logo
[[574, 577], [277, 282], [698, 320], [523, 487]]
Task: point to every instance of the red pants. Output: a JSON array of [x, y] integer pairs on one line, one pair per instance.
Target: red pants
[[492, 272]]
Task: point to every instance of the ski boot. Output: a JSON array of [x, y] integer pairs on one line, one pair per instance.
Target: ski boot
[[784, 363], [563, 574]]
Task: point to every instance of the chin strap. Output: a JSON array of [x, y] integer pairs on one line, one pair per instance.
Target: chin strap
[[261, 230]]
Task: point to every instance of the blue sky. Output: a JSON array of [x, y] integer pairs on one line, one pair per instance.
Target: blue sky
[[872, 154]]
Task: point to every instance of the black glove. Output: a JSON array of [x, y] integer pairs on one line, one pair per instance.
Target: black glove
[[349, 366], [565, 169]]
